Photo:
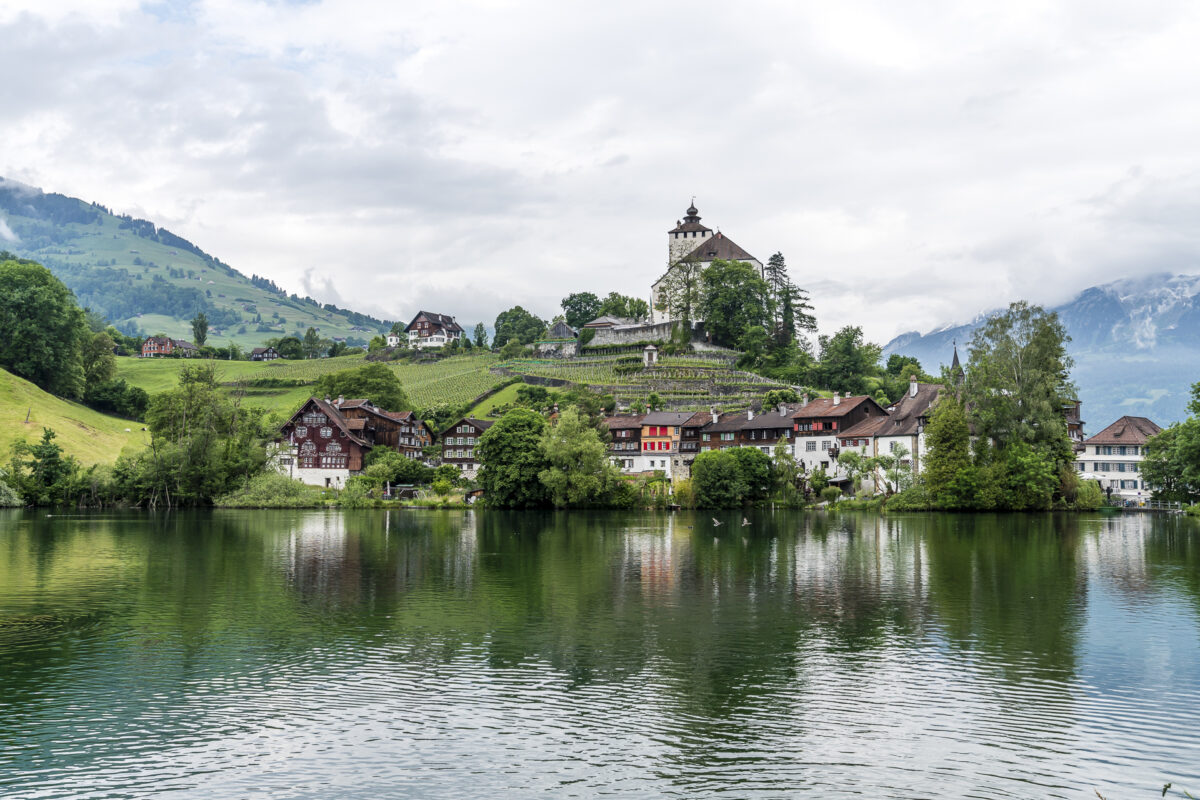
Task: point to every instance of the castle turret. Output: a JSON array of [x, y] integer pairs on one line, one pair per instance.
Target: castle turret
[[687, 235]]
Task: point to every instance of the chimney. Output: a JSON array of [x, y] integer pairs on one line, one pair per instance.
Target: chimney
[[716, 415], [341, 399], [836, 399], [912, 385], [782, 410], [749, 414], [804, 400]]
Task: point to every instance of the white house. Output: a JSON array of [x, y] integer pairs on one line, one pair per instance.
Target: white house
[[1113, 458]]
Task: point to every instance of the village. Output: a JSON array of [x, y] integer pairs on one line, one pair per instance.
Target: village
[[326, 441]]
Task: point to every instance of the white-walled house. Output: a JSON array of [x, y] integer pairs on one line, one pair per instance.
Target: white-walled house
[[432, 330], [1113, 458]]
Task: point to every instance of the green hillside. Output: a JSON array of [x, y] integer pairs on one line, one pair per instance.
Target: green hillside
[[147, 280], [453, 381], [90, 436]]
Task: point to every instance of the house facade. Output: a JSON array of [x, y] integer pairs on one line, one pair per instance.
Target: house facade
[[818, 424], [459, 442], [319, 446], [264, 354], [432, 330], [1113, 458], [158, 346], [661, 434], [625, 449], [401, 431]]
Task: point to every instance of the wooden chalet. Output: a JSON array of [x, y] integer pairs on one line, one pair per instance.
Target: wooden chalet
[[264, 354], [432, 330], [626, 433], [320, 446], [561, 330], [399, 430]]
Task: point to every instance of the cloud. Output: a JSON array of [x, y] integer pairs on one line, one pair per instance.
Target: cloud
[[915, 164], [6, 233]]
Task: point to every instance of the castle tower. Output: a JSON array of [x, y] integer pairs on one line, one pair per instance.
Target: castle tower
[[687, 235]]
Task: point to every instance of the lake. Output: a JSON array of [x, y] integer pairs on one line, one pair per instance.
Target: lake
[[465, 654]]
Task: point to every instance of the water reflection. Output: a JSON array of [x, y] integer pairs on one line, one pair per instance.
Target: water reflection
[[590, 653]]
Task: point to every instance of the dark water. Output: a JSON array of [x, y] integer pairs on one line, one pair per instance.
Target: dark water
[[469, 654]]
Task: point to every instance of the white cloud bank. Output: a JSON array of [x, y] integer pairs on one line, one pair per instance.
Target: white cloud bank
[[915, 162]]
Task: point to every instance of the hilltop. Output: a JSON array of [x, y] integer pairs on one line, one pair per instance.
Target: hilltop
[[147, 280], [1133, 341]]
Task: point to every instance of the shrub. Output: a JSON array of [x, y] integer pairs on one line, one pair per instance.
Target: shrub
[[442, 487], [717, 480], [914, 498], [1193, 510], [8, 497], [1089, 496], [271, 490], [830, 494]]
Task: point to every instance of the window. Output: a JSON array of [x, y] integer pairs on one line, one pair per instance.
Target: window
[[753, 434], [825, 445], [677, 431], [308, 448], [810, 447], [314, 419], [333, 447], [892, 446], [470, 440], [1121, 450], [301, 431], [1133, 467], [727, 437], [1120, 467], [285, 462], [707, 437], [326, 432], [1108, 450]]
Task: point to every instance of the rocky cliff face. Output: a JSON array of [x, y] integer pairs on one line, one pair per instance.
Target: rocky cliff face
[[1136, 345]]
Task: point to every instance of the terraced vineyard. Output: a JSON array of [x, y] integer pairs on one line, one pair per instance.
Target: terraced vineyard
[[692, 382]]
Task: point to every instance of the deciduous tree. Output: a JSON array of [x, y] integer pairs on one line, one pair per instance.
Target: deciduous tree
[[511, 458]]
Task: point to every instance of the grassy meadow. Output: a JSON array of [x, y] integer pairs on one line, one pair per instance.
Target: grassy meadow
[[90, 436]]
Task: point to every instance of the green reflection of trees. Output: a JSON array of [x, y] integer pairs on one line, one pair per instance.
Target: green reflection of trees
[[1172, 553], [1008, 586]]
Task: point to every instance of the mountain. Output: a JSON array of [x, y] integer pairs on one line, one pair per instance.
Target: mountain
[[1136, 345], [146, 280]]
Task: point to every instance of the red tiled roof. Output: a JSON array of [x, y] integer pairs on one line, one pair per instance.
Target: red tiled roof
[[1126, 430], [824, 407]]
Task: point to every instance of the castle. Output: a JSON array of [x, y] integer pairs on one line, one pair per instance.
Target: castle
[[692, 245]]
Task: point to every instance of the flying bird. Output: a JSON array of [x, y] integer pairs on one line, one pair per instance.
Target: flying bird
[[745, 522], [716, 522]]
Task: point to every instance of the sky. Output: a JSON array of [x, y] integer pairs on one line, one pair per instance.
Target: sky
[[916, 163]]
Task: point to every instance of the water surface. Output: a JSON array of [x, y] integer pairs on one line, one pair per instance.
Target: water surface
[[482, 654]]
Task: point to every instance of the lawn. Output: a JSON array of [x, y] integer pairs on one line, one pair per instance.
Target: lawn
[[90, 436], [506, 395]]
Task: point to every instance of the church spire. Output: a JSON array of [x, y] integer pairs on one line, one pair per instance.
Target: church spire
[[956, 367]]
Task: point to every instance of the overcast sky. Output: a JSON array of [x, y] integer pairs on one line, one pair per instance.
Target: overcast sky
[[915, 162]]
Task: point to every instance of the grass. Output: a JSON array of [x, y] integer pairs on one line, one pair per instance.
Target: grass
[[456, 380], [506, 395], [90, 436]]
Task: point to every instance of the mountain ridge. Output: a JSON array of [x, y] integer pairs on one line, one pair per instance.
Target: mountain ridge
[[148, 280], [1134, 342]]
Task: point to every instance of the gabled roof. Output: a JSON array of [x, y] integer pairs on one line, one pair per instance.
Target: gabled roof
[[698, 420], [259, 350], [667, 418], [718, 246], [907, 413], [1126, 430], [481, 424], [332, 414], [868, 428], [624, 421], [441, 320], [824, 407], [607, 321]]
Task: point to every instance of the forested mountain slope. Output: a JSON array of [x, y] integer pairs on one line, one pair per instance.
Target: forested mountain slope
[[147, 280]]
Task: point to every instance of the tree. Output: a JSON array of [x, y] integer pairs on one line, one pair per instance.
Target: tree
[[948, 458], [288, 347], [785, 471], [892, 469], [578, 472], [510, 453], [512, 349], [517, 324], [717, 479], [654, 402], [199, 329], [374, 382], [755, 468], [312, 343], [42, 328], [1172, 458], [99, 363], [855, 466], [1018, 380], [619, 305], [481, 339], [40, 472], [735, 298], [845, 360], [680, 291], [580, 308], [203, 444]]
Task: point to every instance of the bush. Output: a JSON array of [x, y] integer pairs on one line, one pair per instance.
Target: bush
[[442, 487], [914, 498], [1193, 510], [1089, 496], [830, 494], [8, 496], [717, 480], [271, 490]]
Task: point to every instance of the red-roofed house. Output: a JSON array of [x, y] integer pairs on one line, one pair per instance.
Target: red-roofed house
[[1113, 457]]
